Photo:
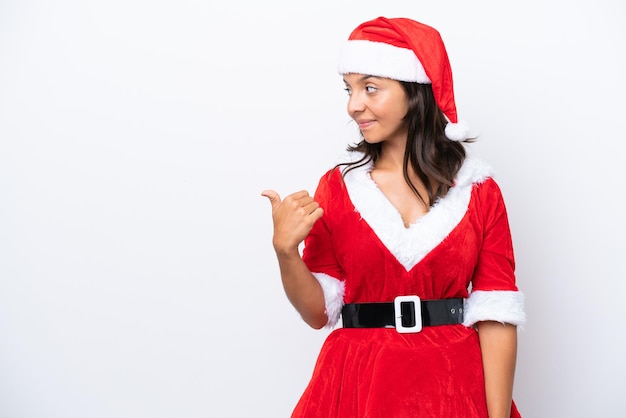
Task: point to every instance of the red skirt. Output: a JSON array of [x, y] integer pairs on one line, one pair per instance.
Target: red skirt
[[380, 373]]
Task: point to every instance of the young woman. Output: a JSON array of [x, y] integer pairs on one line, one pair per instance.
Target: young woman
[[408, 241]]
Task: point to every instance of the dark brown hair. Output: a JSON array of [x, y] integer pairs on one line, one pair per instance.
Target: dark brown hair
[[435, 159]]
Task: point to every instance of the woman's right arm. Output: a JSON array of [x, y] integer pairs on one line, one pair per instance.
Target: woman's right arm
[[293, 219]]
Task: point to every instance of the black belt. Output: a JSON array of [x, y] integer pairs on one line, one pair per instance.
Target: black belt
[[402, 315]]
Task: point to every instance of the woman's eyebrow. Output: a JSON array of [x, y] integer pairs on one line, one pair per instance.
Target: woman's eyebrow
[[363, 78], [368, 76]]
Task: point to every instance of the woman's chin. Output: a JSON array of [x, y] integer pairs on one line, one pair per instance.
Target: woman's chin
[[372, 140]]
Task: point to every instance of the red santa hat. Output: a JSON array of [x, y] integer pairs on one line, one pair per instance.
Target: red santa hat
[[405, 50]]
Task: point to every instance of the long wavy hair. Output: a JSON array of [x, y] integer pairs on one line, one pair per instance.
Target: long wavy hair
[[435, 159]]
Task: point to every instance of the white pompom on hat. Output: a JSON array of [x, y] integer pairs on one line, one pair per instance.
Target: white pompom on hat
[[405, 50]]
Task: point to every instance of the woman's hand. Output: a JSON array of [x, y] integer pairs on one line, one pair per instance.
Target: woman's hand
[[293, 219]]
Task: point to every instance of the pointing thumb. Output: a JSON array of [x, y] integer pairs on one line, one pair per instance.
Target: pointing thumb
[[272, 196]]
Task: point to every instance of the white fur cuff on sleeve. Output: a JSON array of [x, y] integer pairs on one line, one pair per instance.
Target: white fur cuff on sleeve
[[504, 306], [333, 297]]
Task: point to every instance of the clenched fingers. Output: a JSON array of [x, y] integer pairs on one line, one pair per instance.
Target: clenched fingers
[[293, 217]]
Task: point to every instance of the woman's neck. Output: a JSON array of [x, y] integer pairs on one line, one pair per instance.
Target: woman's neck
[[392, 157]]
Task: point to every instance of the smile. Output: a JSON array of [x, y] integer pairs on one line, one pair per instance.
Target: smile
[[364, 124]]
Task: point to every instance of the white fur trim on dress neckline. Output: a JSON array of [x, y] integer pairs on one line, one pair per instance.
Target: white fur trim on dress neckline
[[410, 245]]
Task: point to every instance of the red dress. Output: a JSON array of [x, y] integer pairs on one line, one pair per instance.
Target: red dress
[[361, 252]]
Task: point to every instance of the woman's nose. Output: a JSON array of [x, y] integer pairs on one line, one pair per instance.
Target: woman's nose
[[355, 104]]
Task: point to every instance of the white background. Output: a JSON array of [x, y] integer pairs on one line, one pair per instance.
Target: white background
[[137, 277]]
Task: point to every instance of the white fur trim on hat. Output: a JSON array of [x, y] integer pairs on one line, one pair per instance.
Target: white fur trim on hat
[[382, 60], [333, 296], [506, 306], [457, 131]]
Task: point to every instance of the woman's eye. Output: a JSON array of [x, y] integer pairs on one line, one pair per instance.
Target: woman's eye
[[347, 90], [370, 89]]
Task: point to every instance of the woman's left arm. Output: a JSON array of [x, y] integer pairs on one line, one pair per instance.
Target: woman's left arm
[[498, 345]]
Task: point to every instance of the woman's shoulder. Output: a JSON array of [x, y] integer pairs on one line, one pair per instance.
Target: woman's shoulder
[[473, 171], [477, 174], [333, 181], [480, 176], [346, 163]]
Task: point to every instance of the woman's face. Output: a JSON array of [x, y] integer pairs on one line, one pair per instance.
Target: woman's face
[[378, 105]]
